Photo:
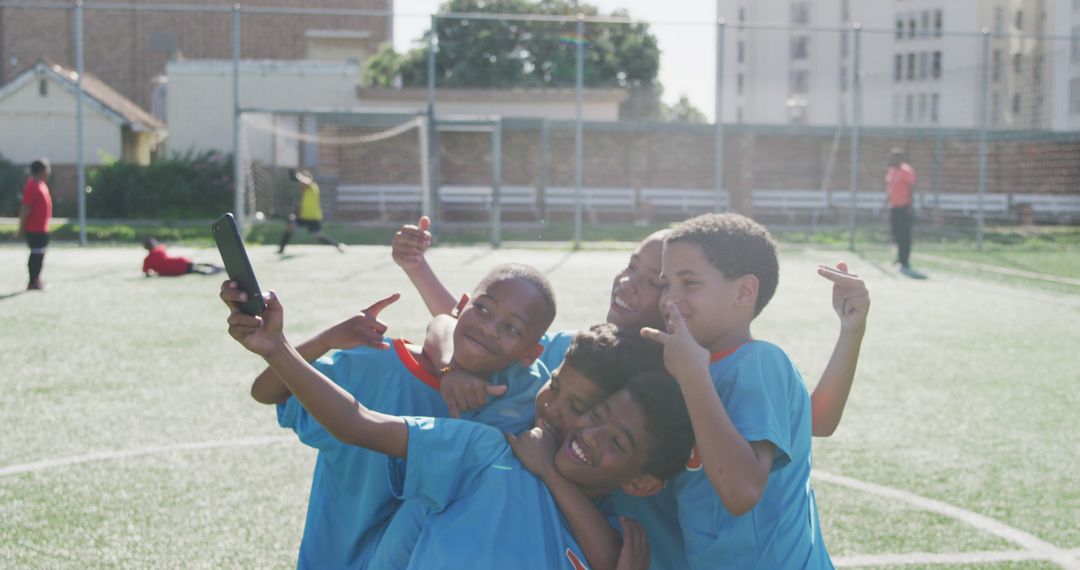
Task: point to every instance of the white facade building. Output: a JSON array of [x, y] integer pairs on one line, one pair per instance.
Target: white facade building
[[922, 62]]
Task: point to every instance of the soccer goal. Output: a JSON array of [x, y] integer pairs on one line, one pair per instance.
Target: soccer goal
[[369, 166]]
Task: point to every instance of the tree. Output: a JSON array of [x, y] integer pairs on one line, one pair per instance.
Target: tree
[[683, 111], [504, 53]]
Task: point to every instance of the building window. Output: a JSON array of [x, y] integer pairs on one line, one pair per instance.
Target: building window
[[742, 14], [999, 19], [1018, 62], [739, 84], [845, 43], [935, 104], [911, 27], [843, 78], [741, 51], [922, 107], [800, 82], [995, 67], [924, 63], [1074, 96], [939, 22], [1020, 20], [43, 87], [845, 10], [896, 109], [911, 67], [899, 28], [1075, 43], [995, 110], [1036, 72], [898, 68], [800, 47], [800, 13], [935, 67], [1016, 103], [909, 108], [924, 18]]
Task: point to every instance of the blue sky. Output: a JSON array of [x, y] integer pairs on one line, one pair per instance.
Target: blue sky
[[686, 61]]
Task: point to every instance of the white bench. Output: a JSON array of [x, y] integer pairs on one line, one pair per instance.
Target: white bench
[[380, 198], [873, 202], [683, 201], [1056, 207], [595, 201], [964, 204], [471, 198], [791, 202]]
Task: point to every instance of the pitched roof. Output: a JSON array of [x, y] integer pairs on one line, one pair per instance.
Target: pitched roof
[[120, 108]]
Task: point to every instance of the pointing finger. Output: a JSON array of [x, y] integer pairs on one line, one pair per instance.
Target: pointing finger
[[381, 304]]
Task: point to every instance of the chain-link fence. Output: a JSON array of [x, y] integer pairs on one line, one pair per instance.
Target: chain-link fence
[[558, 120]]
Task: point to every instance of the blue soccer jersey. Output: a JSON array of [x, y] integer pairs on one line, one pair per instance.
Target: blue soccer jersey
[[767, 400], [555, 347], [483, 508], [350, 502]]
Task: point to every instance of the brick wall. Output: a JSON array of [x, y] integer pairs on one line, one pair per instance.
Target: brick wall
[[127, 49]]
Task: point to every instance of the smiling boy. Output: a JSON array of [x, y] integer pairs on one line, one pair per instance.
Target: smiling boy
[[509, 311], [487, 511]]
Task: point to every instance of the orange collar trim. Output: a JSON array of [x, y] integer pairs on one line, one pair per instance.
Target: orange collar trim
[[413, 365], [718, 356]]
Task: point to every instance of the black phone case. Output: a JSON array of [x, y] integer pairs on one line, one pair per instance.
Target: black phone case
[[237, 265]]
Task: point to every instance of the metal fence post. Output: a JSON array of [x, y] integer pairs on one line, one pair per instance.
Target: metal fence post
[[939, 160], [496, 184], [856, 119], [80, 133], [578, 88], [433, 131], [982, 135], [718, 199], [545, 159], [238, 167]]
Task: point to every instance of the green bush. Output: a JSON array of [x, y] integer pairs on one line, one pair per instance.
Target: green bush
[[12, 177], [179, 187]]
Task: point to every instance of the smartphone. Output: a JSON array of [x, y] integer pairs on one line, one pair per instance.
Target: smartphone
[[237, 265]]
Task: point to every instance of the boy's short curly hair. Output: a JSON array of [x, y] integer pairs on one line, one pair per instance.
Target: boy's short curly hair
[[530, 275], [609, 356], [737, 246], [671, 435]]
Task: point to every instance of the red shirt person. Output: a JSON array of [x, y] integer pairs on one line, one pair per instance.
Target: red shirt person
[[159, 262], [899, 188], [34, 215]]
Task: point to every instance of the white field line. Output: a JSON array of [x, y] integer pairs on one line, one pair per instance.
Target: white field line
[[1035, 548], [128, 453], [923, 558], [1042, 549], [1000, 270]]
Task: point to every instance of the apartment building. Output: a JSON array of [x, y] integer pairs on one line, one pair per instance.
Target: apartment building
[[922, 62], [128, 49]]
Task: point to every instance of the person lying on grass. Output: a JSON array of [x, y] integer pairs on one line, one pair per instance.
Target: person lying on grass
[[466, 471]]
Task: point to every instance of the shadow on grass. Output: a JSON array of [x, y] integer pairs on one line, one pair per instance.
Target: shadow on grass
[[6, 296]]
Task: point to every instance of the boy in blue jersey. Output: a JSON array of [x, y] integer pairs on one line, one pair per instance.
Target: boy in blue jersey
[[465, 472], [348, 506], [746, 500]]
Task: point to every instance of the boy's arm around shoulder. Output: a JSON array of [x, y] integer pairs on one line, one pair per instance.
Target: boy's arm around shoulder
[[334, 408], [599, 542]]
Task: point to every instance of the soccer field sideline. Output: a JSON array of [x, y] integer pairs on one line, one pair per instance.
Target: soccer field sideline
[[801, 300]]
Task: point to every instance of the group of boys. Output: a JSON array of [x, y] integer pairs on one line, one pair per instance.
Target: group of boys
[[681, 421]]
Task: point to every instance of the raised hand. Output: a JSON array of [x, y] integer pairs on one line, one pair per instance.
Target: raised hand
[[363, 329], [683, 356], [464, 391], [536, 450], [850, 297], [410, 243], [634, 554], [263, 334]]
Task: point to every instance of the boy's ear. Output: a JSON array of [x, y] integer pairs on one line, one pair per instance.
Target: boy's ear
[[643, 486], [748, 290], [530, 355]]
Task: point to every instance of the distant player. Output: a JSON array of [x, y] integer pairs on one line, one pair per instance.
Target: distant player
[[310, 213], [900, 192], [159, 262], [34, 215]]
